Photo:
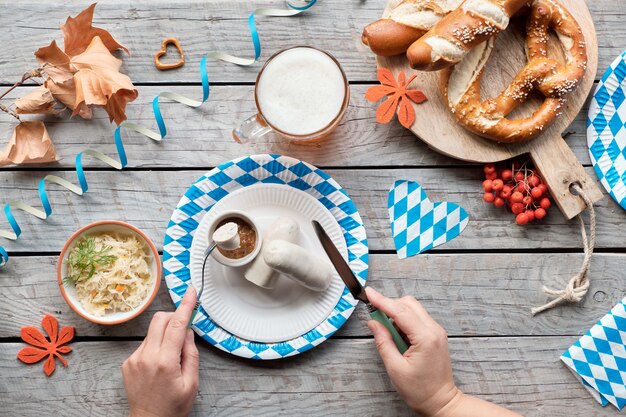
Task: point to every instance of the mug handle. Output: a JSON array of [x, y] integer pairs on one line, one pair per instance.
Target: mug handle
[[251, 129]]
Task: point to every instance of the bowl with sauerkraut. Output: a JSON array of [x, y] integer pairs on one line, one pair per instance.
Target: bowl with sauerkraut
[[109, 272]]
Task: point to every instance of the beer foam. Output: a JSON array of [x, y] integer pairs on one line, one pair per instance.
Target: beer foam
[[301, 91]]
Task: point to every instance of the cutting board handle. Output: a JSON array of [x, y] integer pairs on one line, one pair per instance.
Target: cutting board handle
[[560, 168]]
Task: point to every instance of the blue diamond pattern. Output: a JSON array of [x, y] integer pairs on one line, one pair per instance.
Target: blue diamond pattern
[[245, 172], [598, 358], [607, 147]]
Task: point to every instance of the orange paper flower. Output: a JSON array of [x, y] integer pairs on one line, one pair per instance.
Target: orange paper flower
[[42, 347], [399, 100]]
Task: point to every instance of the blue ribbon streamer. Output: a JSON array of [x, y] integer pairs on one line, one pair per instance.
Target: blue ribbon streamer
[[122, 160]]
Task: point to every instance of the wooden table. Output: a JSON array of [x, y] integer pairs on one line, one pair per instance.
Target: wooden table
[[480, 287]]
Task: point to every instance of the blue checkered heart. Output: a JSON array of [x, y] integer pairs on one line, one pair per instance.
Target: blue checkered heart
[[418, 224], [606, 130], [598, 359]]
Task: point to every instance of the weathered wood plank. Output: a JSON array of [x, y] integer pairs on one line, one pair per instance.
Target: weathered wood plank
[[202, 137], [470, 295], [334, 25], [147, 198], [340, 377]]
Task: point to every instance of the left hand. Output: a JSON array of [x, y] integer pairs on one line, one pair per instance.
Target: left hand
[[161, 376]]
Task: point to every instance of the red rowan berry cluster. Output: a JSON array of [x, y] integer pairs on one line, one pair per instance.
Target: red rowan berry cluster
[[519, 188]]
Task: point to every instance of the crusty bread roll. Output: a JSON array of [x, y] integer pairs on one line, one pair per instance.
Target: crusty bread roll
[[449, 40], [407, 22]]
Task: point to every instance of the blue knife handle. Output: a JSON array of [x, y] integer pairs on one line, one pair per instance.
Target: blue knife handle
[[382, 318]]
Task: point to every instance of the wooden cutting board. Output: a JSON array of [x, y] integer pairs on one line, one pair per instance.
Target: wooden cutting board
[[436, 126]]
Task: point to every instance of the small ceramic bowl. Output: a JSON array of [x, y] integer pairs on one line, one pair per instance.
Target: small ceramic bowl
[[246, 259], [69, 292]]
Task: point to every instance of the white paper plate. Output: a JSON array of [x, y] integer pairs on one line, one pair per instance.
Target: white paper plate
[[251, 312]]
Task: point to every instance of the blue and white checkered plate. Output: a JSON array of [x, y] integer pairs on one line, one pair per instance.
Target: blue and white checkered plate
[[247, 172], [606, 130]]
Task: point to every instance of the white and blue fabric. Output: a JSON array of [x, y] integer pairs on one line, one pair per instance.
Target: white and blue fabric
[[598, 359], [246, 172], [418, 224], [606, 130]]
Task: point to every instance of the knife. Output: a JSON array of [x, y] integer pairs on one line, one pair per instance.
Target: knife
[[355, 287]]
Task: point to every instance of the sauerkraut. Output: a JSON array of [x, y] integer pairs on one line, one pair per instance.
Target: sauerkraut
[[111, 272]]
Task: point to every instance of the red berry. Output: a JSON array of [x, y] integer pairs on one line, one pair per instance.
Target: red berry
[[545, 203], [489, 197], [517, 208], [521, 187], [487, 185], [497, 184], [492, 175], [517, 197], [543, 188], [540, 213], [498, 202], [534, 180], [519, 176], [521, 219], [506, 191], [489, 168], [530, 214], [507, 175], [536, 193], [527, 201]]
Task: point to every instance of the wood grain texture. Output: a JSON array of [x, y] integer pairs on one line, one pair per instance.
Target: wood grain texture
[[470, 295], [202, 26], [340, 377], [202, 137], [147, 199]]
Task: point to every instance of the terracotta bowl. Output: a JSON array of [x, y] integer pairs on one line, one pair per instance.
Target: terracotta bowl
[[69, 292]]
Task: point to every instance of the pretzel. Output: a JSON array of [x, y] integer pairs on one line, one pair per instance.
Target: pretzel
[[472, 23], [461, 83], [408, 21]]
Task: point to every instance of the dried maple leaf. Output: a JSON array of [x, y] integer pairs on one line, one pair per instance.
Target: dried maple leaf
[[55, 62], [30, 144], [400, 98], [39, 101], [42, 347], [99, 82], [78, 33]]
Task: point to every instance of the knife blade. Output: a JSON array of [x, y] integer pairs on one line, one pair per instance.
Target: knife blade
[[354, 286]]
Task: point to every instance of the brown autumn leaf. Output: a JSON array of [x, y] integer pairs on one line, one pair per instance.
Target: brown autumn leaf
[[39, 101], [30, 144], [99, 82], [78, 34], [66, 94], [56, 63]]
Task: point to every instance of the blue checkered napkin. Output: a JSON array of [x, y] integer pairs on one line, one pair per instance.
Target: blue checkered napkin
[[606, 130], [246, 172], [599, 358], [418, 224]]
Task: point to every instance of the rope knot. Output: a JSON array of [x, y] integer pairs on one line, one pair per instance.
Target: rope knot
[[578, 285]]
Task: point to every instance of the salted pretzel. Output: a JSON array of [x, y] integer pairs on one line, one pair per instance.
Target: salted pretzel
[[461, 83], [408, 20]]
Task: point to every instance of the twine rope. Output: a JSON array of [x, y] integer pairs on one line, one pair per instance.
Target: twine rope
[[578, 285]]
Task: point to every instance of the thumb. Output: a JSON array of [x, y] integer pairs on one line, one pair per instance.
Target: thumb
[[190, 361], [384, 343]]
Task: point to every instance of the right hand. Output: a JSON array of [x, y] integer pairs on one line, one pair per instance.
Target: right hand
[[423, 375]]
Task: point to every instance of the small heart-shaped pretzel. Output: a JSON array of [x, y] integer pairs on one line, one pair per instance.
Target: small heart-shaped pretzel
[[163, 51]]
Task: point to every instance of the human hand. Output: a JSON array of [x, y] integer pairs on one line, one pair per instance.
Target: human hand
[[161, 376], [423, 375]]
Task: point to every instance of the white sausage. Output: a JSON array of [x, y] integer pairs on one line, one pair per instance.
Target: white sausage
[[298, 264], [227, 236], [283, 228]]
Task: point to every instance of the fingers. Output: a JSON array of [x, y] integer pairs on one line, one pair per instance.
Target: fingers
[[156, 331], [384, 343], [176, 329], [402, 315], [190, 360]]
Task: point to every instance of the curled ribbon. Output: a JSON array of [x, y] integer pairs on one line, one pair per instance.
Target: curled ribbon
[[122, 162]]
